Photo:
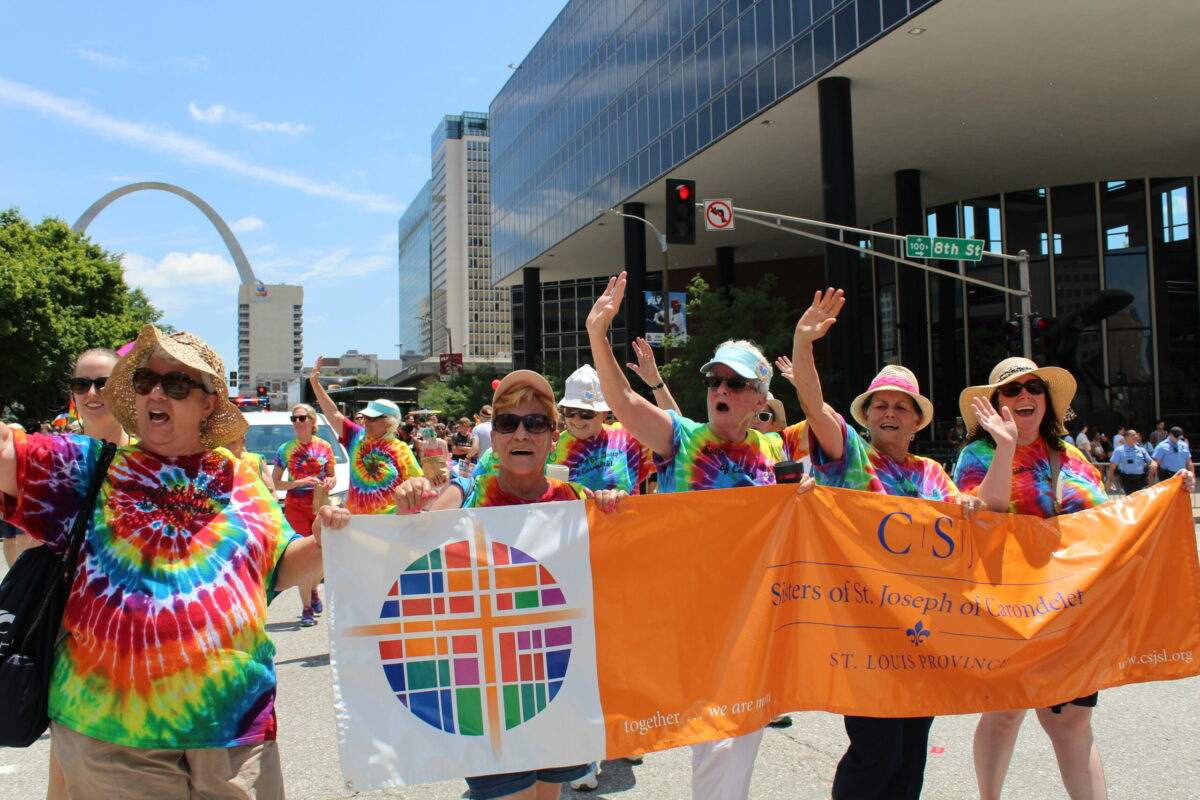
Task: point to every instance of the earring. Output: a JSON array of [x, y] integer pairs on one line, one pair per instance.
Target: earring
[[912, 437]]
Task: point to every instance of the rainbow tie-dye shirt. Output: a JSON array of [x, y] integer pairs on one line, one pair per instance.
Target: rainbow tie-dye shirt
[[485, 491], [304, 461], [700, 460], [166, 643], [1079, 484], [612, 459], [864, 468], [377, 467]]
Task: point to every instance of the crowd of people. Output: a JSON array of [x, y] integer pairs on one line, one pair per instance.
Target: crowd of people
[[164, 682]]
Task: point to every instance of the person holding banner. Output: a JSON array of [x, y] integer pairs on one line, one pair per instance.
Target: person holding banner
[[886, 757], [721, 453], [522, 438], [1017, 460]]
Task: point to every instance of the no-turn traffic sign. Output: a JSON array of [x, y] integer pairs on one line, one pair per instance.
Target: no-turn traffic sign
[[718, 215]]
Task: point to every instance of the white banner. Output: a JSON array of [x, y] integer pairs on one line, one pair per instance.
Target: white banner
[[451, 634]]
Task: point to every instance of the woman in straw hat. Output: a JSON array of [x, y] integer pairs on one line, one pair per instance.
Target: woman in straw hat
[[1017, 460], [886, 757], [164, 682]]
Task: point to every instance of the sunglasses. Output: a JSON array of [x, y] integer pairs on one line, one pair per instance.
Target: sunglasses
[[82, 385], [765, 416], [299, 419], [582, 413], [508, 423], [735, 384], [175, 385], [1035, 387]]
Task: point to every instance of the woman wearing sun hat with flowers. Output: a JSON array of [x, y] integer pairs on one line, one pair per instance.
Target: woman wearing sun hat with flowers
[[164, 682], [1018, 460], [886, 757]]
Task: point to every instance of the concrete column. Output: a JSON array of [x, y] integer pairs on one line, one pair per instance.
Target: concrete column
[[531, 283], [842, 266], [635, 268], [724, 268]]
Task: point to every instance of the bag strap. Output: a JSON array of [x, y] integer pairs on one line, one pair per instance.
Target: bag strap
[[68, 561], [1055, 466]]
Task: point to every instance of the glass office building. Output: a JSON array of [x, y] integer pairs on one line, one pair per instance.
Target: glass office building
[[414, 264]]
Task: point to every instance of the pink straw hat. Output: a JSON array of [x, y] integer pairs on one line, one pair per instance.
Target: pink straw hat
[[894, 378]]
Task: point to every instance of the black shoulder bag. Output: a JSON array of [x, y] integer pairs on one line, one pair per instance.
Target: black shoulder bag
[[33, 598]]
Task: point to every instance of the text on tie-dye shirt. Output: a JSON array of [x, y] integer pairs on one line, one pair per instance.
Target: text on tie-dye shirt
[[701, 460], [304, 461], [377, 467], [166, 643], [612, 459], [1079, 483], [864, 468], [485, 491]]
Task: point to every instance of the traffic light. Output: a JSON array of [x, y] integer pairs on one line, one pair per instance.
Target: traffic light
[[1013, 342], [262, 390], [681, 211], [1040, 331]]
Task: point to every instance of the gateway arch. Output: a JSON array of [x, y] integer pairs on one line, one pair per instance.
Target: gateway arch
[[231, 242]]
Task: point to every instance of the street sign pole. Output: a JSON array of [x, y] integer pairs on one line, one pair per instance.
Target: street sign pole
[[1026, 304]]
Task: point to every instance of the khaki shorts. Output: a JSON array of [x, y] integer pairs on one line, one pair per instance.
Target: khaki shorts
[[99, 770]]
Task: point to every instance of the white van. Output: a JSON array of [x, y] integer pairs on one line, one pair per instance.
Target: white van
[[269, 429]]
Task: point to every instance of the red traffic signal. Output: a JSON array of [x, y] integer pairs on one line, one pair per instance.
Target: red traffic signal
[[681, 211], [262, 391], [684, 191]]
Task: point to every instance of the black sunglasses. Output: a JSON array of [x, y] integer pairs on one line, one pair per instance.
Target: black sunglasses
[[175, 385], [1035, 386], [508, 423], [765, 416], [299, 419], [735, 384], [81, 385], [582, 413]]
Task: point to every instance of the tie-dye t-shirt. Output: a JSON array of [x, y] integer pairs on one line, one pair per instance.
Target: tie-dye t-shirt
[[377, 467], [485, 491], [166, 643], [304, 461], [795, 441], [612, 459], [700, 460], [864, 468], [1079, 484]]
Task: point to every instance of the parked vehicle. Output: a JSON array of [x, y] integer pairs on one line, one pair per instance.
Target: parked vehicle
[[269, 429]]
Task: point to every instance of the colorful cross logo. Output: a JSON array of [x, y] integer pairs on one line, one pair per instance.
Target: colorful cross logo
[[474, 637]]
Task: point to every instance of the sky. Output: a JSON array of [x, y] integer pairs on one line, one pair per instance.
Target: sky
[[305, 125]]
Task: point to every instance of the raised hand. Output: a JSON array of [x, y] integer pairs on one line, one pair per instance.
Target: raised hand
[[785, 367], [606, 306], [315, 372], [1001, 426], [817, 319], [646, 367]]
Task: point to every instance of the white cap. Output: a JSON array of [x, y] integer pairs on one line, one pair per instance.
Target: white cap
[[583, 390]]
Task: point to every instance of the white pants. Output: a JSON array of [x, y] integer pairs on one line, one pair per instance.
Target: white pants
[[721, 770]]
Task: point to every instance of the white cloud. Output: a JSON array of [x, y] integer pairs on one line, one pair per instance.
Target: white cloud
[[179, 271], [217, 113], [342, 264], [246, 225], [170, 143], [103, 59]]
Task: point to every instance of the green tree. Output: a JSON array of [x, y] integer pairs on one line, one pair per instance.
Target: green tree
[[463, 395], [60, 294], [758, 313]]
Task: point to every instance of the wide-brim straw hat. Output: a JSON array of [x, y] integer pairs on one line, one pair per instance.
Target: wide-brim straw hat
[[775, 406], [894, 378], [226, 422], [1060, 383]]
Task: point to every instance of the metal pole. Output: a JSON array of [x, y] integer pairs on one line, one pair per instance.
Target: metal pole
[[1026, 303]]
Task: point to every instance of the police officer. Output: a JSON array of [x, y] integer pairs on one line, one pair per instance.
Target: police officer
[[1132, 461], [1171, 455]]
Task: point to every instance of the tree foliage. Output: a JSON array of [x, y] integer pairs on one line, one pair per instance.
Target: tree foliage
[[757, 313], [463, 395], [61, 294]]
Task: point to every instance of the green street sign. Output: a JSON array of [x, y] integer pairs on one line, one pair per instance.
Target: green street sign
[[943, 247]]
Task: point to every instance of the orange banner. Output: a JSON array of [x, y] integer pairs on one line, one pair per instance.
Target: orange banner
[[716, 611]]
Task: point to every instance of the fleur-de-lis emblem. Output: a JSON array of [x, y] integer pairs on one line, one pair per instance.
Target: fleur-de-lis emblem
[[917, 633]]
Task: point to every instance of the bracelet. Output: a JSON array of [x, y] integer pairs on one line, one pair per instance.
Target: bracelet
[[658, 386]]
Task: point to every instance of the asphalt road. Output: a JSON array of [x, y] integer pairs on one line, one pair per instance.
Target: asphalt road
[[1148, 736]]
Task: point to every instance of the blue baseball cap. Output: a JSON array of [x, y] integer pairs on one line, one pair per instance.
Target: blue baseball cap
[[381, 408], [744, 362]]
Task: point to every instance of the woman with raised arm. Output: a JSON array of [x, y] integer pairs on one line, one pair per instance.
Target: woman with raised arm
[[886, 756], [721, 453], [379, 462], [1017, 460], [164, 679]]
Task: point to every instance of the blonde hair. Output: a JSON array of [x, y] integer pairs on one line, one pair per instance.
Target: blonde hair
[[523, 393]]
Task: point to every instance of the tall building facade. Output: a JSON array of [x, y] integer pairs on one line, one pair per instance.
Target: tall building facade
[[270, 337], [942, 117], [465, 310], [414, 260]]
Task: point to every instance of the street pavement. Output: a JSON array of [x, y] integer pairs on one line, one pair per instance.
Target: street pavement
[[1148, 735]]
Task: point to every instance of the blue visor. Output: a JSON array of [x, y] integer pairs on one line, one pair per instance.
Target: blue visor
[[742, 361]]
